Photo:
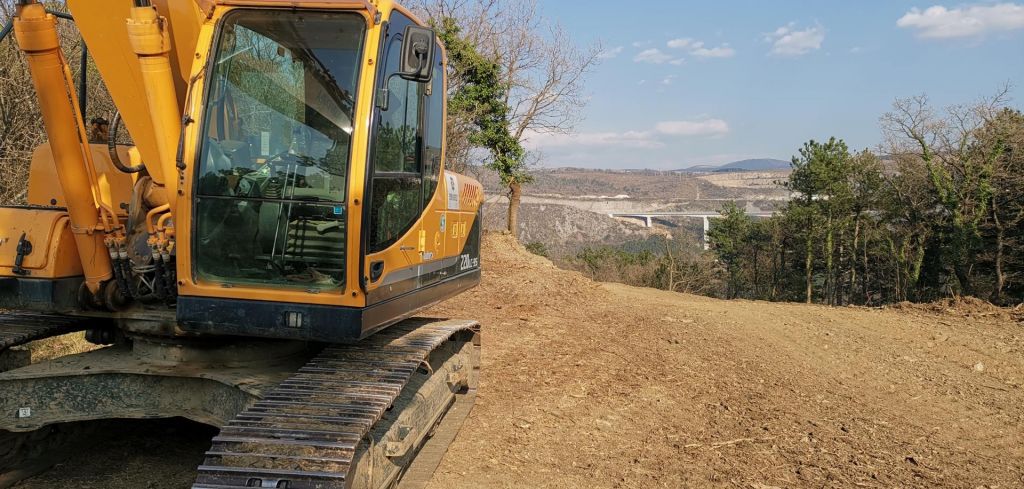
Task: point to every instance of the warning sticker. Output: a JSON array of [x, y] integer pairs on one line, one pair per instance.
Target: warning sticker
[[453, 191]]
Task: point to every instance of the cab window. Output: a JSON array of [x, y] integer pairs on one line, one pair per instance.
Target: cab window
[[434, 131], [397, 188], [273, 168]]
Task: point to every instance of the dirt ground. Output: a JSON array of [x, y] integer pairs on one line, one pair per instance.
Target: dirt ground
[[607, 386]]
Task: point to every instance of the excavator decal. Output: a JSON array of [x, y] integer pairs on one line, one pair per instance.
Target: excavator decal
[[454, 202]]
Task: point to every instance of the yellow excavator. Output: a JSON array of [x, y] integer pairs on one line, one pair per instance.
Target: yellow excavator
[[254, 258]]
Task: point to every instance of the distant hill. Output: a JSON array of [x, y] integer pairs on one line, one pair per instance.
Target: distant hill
[[760, 164], [649, 185]]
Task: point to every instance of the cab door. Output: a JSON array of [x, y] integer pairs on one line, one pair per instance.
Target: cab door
[[395, 241], [435, 219]]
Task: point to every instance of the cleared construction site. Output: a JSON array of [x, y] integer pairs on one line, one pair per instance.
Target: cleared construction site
[[643, 388]]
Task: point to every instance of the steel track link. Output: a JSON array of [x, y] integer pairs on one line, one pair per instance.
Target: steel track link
[[304, 434], [19, 328]]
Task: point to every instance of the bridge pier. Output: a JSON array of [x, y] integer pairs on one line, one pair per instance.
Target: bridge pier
[[648, 219], [707, 229]]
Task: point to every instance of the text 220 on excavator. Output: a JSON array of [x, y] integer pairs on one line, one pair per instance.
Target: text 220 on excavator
[[252, 259]]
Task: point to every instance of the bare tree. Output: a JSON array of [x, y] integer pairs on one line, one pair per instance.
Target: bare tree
[[21, 127], [960, 171], [542, 67], [1003, 137]]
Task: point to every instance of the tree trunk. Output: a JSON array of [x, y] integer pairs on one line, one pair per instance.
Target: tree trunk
[[671, 266], [757, 274], [830, 282], [963, 260], [515, 196], [997, 294], [915, 280], [841, 277], [774, 274], [962, 276], [867, 275], [898, 269], [809, 269], [853, 258]]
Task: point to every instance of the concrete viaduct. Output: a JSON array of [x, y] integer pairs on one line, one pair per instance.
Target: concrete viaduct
[[648, 218]]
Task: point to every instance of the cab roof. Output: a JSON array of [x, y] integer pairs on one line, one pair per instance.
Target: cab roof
[[208, 5]]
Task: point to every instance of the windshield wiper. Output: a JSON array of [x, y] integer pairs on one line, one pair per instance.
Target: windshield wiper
[[317, 199]]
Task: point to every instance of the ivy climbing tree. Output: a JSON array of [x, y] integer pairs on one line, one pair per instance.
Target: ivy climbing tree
[[480, 99]]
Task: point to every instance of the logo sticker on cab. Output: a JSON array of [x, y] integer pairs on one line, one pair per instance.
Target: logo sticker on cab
[[453, 192]]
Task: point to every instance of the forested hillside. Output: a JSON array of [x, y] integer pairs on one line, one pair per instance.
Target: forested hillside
[[936, 211], [942, 216]]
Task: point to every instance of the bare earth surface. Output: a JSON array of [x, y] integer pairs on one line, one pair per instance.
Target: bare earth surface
[[591, 385]]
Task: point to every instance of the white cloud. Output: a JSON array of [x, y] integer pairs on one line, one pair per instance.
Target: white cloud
[[680, 43], [641, 44], [723, 51], [939, 22], [628, 139], [611, 53], [706, 127], [654, 56], [650, 139], [669, 80], [700, 50], [787, 41]]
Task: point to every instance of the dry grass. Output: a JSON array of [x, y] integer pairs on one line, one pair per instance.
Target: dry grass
[[60, 346]]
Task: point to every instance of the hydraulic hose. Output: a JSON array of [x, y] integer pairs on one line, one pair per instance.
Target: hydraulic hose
[[60, 15], [8, 27], [115, 158]]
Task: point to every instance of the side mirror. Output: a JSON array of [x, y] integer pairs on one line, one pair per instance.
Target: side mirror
[[418, 51]]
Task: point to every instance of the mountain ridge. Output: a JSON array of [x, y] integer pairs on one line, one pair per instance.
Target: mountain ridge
[[753, 164]]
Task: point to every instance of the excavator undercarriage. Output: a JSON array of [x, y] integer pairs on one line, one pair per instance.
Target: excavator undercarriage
[[292, 416]]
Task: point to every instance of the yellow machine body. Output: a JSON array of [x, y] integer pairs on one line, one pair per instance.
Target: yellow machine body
[[284, 198], [44, 187], [57, 257], [169, 74]]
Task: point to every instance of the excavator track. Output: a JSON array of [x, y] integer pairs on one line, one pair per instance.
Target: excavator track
[[306, 433], [20, 454], [20, 328]]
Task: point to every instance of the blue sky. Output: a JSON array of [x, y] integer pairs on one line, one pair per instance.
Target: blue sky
[[687, 83]]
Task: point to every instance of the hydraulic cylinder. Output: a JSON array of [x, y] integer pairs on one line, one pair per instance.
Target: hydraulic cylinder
[[151, 41], [36, 32]]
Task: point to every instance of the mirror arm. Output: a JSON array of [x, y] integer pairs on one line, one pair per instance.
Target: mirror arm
[[384, 93], [384, 98]]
